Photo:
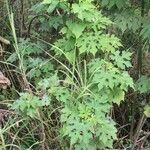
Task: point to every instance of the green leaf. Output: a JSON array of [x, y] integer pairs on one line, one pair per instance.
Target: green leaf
[[128, 19], [85, 10], [121, 60], [62, 94], [76, 28], [27, 104], [52, 6], [143, 84], [147, 110], [47, 1], [117, 95], [145, 32], [70, 56], [110, 3], [55, 21], [46, 100], [88, 43]]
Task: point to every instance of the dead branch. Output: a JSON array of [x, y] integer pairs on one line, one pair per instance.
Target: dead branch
[[3, 40]]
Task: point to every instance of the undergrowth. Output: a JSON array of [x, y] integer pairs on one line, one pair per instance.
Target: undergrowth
[[70, 74]]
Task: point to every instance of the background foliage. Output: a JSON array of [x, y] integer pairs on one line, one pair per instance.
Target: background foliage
[[79, 74]]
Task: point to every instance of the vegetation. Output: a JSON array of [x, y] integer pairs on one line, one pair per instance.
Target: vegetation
[[74, 74]]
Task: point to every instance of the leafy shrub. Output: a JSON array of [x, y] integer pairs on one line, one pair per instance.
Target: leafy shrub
[[87, 94], [74, 90]]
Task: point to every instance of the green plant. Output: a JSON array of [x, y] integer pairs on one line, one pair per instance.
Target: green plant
[[72, 69], [27, 104], [143, 86], [87, 94]]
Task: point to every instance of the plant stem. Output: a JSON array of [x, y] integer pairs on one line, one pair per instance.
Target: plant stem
[[138, 129], [3, 141]]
